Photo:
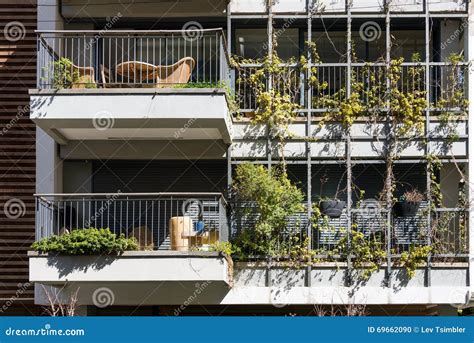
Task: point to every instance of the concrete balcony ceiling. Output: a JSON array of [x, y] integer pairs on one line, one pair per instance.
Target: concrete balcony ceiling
[[132, 114]]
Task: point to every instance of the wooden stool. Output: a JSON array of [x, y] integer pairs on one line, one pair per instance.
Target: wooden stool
[[180, 227]]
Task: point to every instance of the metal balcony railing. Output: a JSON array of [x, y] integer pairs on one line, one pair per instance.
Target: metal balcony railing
[[444, 81], [121, 59], [445, 229], [198, 219]]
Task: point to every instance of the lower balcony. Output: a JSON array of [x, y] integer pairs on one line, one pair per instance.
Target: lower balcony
[[178, 233], [175, 235]]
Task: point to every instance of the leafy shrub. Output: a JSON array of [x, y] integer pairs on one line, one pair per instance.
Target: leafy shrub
[[86, 242], [64, 75], [276, 200]]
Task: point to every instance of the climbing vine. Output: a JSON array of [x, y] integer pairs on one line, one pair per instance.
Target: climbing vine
[[391, 96]]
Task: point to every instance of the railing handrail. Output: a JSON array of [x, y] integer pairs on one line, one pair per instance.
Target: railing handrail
[[358, 64], [106, 32], [146, 194], [128, 194]]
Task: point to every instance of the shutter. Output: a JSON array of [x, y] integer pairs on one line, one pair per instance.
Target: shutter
[[159, 176]]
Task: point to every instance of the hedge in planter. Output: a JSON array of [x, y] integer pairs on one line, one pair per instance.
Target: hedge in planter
[[86, 242]]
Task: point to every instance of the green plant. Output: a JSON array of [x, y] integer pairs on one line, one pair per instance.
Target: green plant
[[233, 107], [64, 75], [366, 253], [276, 199], [414, 258], [86, 242], [223, 247]]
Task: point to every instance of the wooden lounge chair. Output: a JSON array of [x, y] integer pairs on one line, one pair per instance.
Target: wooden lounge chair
[[135, 73], [177, 73], [107, 78], [86, 77]]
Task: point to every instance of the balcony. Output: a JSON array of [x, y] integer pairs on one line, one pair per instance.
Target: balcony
[[341, 6], [134, 85], [438, 80], [186, 268], [175, 234]]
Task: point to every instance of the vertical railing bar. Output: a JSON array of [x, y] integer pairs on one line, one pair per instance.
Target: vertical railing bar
[[158, 208], [126, 218]]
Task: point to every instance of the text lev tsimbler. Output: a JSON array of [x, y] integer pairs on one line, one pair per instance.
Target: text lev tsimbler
[[417, 329]]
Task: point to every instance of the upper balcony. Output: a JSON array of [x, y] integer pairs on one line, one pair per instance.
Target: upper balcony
[[114, 85], [341, 6]]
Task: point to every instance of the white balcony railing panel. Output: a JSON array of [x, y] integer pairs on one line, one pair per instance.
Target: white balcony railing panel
[[290, 6], [328, 149], [441, 148], [329, 6], [248, 6], [446, 5], [257, 149], [406, 5], [247, 130], [368, 6]]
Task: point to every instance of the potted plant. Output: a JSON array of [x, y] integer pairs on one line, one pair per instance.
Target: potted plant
[[331, 207], [408, 204]]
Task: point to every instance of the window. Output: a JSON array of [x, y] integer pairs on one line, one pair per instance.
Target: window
[[253, 43]]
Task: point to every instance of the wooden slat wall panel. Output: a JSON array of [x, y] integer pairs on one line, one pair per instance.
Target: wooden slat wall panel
[[17, 153]]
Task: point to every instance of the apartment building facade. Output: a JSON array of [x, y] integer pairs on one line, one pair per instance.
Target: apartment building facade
[[143, 117]]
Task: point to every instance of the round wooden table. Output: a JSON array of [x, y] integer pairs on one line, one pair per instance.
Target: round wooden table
[[137, 71]]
